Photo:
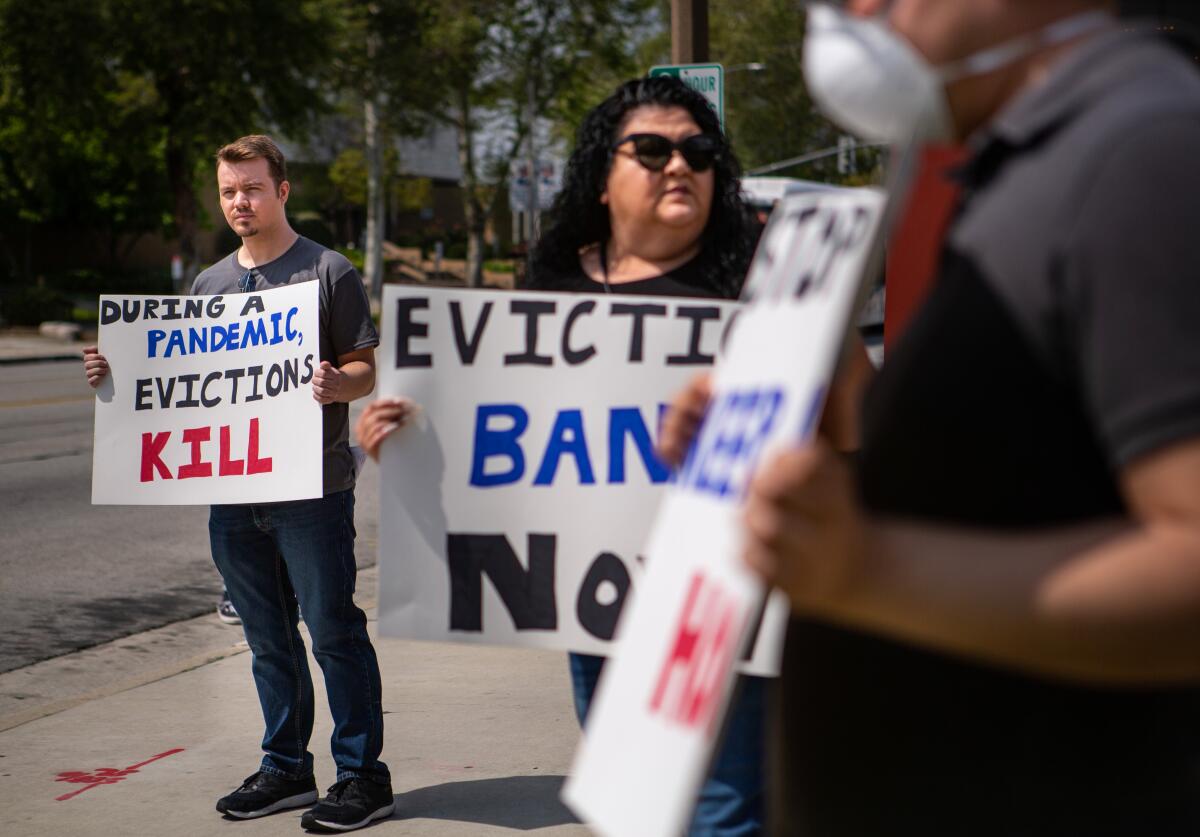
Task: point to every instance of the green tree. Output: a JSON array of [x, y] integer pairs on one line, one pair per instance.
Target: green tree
[[219, 69], [76, 146], [769, 115], [380, 75], [509, 66]]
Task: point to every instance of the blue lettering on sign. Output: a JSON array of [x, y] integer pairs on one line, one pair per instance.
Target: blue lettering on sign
[[215, 338], [490, 442], [566, 438], [498, 456], [730, 441], [627, 422]]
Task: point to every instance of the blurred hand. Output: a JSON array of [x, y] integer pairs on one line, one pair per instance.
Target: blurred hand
[[327, 383], [379, 419], [683, 419], [95, 365], [804, 529]]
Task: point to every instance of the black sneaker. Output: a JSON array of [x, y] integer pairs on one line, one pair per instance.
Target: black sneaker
[[266, 793], [350, 804], [225, 611]]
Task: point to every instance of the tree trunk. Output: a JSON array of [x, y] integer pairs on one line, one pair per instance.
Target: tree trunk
[[475, 229], [473, 210], [373, 257], [179, 175]]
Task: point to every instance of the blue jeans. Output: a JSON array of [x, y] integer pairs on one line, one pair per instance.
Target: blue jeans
[[272, 557], [731, 799]]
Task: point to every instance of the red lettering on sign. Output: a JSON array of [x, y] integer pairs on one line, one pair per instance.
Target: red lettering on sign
[[688, 690], [196, 436], [198, 467], [230, 467], [152, 447], [254, 465]]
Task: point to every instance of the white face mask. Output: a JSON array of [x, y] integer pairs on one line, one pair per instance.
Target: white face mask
[[871, 81]]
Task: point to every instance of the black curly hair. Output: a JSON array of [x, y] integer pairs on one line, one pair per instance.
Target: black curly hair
[[578, 218]]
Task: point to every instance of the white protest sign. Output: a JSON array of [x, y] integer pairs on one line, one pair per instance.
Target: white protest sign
[[516, 505], [660, 704], [208, 399]]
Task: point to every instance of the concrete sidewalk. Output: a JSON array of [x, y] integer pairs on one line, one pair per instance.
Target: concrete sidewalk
[[142, 735]]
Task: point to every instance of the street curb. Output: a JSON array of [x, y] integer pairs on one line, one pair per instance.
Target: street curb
[[16, 719], [127, 661], [14, 361]]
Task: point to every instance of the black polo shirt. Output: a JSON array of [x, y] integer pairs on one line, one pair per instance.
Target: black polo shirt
[[1060, 342]]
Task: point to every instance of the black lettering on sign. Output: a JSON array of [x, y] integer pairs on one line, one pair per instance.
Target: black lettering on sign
[[698, 314], [527, 594], [600, 620], [841, 234], [189, 400], [407, 330], [639, 312], [531, 310], [254, 304], [467, 348], [574, 357]]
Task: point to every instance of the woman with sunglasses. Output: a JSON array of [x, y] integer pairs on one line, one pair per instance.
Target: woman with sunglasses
[[650, 201], [650, 205]]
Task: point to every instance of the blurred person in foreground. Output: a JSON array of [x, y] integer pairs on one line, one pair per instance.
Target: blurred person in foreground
[[997, 604], [278, 557], [650, 205]]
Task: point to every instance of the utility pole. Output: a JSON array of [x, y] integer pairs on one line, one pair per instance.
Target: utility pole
[[689, 31]]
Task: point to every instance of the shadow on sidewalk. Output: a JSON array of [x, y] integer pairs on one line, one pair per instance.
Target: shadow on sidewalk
[[520, 802]]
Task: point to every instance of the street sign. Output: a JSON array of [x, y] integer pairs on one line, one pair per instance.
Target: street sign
[[706, 79], [549, 174]]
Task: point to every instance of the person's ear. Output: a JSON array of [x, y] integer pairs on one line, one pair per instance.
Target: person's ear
[[604, 197], [285, 189]]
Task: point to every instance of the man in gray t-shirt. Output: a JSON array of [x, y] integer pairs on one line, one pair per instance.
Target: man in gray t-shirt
[[278, 558], [346, 326]]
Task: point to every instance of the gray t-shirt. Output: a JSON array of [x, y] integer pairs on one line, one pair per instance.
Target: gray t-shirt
[[345, 326]]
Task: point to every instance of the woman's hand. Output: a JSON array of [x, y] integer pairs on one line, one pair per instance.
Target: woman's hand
[[379, 419], [683, 419]]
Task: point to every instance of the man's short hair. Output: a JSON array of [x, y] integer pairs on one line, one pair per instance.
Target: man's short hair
[[252, 147]]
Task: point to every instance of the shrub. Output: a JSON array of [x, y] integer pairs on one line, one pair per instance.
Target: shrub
[[32, 304], [315, 229], [354, 255]]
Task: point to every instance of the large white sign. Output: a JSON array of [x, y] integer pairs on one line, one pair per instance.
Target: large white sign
[[515, 507], [661, 702], [208, 399]]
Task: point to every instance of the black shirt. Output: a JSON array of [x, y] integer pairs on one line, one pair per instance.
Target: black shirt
[[685, 280], [1060, 342]]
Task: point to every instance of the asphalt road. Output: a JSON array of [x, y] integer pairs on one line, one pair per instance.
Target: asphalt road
[[74, 575]]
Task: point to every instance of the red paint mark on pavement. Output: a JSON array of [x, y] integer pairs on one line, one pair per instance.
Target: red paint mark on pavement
[[104, 775]]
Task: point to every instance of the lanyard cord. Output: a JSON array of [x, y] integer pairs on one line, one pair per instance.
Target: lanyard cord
[[604, 266]]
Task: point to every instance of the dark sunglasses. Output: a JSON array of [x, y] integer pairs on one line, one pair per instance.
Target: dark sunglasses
[[654, 150], [247, 283]]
